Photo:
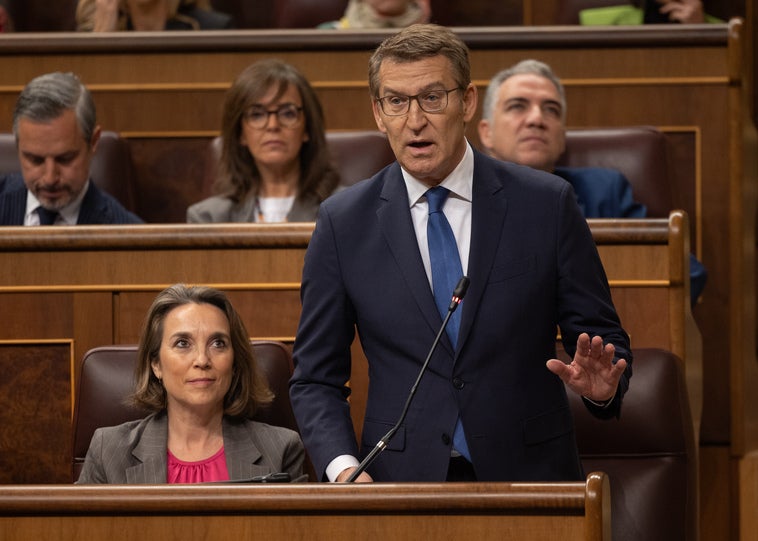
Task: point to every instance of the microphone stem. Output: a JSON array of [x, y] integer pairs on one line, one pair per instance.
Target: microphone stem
[[382, 443]]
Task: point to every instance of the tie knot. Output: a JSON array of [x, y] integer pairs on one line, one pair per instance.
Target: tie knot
[[436, 197], [46, 216]]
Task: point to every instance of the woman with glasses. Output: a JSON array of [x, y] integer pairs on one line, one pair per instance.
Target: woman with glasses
[[275, 165]]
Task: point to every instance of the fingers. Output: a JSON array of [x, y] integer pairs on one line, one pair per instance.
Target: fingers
[[619, 367], [583, 345], [559, 368], [683, 11], [594, 348], [347, 472]]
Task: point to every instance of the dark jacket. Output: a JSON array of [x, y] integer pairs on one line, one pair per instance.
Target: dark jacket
[[97, 207]]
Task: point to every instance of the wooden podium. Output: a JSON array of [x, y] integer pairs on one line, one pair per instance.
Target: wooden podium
[[481, 511]]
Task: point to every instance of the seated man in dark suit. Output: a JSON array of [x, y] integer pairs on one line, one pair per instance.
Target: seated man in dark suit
[[56, 132], [523, 121]]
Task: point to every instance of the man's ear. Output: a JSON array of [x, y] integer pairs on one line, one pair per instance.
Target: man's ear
[[470, 101], [376, 108], [95, 138], [485, 133]]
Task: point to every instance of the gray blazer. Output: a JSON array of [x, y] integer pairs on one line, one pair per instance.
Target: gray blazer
[[220, 208], [135, 452]]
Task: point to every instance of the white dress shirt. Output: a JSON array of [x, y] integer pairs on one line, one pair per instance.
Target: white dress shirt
[[68, 215]]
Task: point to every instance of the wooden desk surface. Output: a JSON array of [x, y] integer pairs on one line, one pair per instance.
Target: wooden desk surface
[[482, 511]]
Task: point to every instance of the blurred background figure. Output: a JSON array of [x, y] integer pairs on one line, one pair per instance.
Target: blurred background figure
[[648, 12], [382, 14], [6, 23], [197, 373], [275, 164], [148, 15]]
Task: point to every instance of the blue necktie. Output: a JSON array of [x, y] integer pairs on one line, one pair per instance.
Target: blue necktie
[[46, 217], [446, 271]]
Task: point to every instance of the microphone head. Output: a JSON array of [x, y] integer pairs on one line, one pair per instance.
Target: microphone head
[[461, 288], [460, 291]]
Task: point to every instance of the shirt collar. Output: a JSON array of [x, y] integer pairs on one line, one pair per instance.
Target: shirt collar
[[69, 214], [460, 181]]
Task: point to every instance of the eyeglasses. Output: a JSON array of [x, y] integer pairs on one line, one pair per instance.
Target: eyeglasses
[[287, 115], [431, 101]]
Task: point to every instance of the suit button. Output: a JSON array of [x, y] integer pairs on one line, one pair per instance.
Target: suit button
[[458, 383], [445, 439]]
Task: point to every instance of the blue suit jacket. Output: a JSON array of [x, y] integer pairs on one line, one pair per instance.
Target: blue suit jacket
[[97, 207], [533, 265], [606, 193], [602, 193]]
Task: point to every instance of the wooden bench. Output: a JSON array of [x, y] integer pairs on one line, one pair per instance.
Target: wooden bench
[[486, 511]]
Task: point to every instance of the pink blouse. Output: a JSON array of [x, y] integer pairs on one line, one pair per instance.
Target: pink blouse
[[202, 471]]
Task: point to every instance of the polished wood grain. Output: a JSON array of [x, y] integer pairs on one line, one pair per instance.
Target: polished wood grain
[[35, 400], [533, 511]]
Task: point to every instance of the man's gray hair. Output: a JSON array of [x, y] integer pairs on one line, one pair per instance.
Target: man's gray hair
[[46, 97], [531, 67]]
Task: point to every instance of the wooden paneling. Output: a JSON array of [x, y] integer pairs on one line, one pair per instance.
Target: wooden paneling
[[484, 511], [35, 400]]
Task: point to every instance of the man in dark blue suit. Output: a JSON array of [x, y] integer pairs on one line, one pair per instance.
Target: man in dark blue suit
[[492, 404], [523, 121], [56, 133]]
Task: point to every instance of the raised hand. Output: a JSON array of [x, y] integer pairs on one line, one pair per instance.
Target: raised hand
[[592, 373]]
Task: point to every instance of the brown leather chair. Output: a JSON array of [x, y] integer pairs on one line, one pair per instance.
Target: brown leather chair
[[107, 379], [110, 170], [8, 154], [649, 453], [247, 14], [639, 152], [42, 15], [357, 155], [307, 13]]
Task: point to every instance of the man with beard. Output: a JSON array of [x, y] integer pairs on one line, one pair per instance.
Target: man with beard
[[56, 131]]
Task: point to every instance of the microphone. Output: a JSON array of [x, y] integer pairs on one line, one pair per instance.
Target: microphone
[[381, 445]]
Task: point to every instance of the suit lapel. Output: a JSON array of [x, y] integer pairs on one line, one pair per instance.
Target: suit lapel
[[303, 210], [13, 202], [15, 209], [92, 209], [489, 207], [151, 453], [240, 452], [397, 228]]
